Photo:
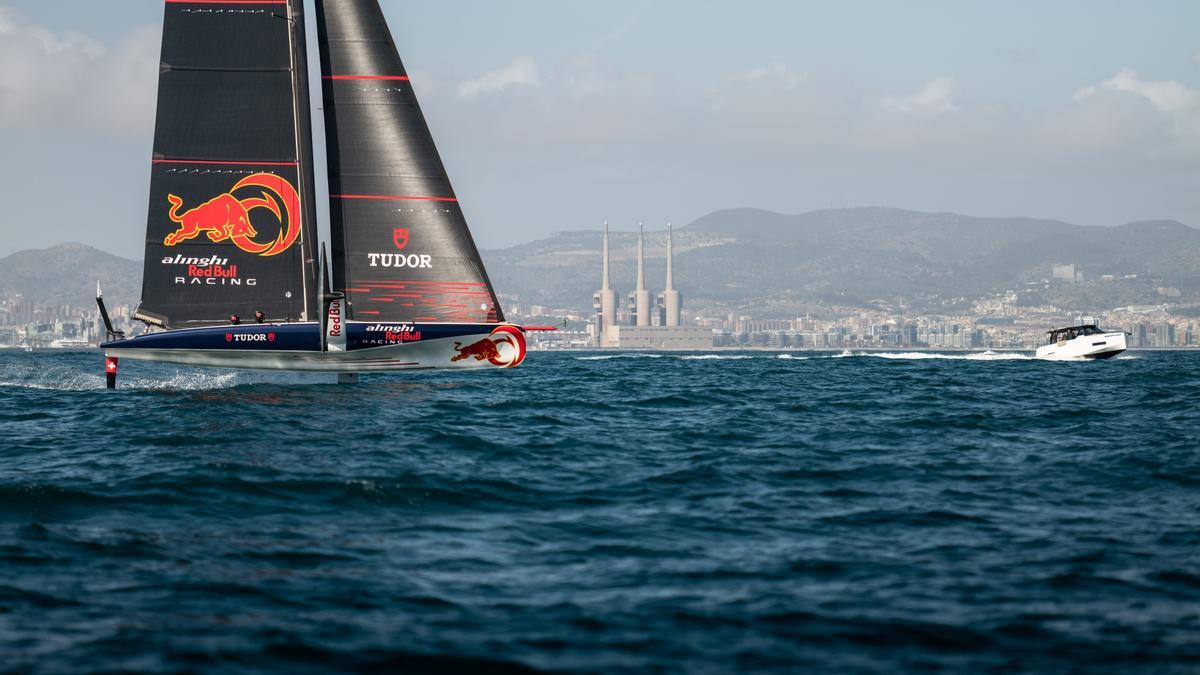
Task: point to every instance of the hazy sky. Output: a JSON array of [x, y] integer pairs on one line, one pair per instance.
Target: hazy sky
[[557, 115]]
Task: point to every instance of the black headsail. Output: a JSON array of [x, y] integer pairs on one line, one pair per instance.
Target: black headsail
[[231, 227], [401, 248]]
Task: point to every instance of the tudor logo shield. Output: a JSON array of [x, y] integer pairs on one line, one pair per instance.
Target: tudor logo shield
[[229, 337], [400, 237], [270, 337]]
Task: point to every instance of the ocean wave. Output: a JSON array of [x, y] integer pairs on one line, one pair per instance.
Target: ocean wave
[[604, 516]]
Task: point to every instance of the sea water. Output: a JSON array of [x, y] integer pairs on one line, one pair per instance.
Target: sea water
[[603, 512]]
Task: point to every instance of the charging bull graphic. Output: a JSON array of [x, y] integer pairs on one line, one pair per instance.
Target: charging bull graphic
[[228, 217], [505, 347]]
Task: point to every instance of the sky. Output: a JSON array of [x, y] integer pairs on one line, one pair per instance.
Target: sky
[[555, 115]]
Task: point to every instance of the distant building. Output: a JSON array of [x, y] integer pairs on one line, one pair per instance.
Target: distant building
[[1067, 273], [662, 337], [669, 333]]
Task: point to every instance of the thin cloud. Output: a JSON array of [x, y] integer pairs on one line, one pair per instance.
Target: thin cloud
[[51, 78], [1176, 100], [590, 107], [523, 71], [937, 96]]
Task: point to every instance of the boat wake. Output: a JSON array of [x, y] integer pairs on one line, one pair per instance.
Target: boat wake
[[54, 374], [680, 357], [606, 357], [76, 381], [974, 356], [903, 356]]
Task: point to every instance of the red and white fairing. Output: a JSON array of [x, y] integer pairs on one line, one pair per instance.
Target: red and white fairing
[[335, 325]]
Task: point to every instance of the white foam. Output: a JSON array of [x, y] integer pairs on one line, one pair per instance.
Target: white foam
[[974, 356], [715, 357], [58, 374], [180, 381], [605, 357]]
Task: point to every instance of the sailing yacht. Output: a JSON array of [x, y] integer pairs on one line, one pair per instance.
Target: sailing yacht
[[234, 275]]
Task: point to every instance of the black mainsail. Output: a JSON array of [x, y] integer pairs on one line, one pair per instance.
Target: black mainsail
[[401, 250], [231, 226]]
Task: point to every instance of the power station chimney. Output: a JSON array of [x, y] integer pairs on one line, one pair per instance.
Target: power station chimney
[[604, 302], [604, 274], [672, 302], [639, 299]]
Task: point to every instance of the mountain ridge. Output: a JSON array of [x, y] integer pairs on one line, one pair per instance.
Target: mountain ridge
[[67, 273], [748, 257], [759, 260]]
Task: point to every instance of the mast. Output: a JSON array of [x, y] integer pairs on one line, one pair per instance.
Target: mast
[[302, 114], [401, 248], [229, 227]]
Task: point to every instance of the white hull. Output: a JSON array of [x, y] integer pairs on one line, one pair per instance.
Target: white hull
[[424, 355], [1084, 347]]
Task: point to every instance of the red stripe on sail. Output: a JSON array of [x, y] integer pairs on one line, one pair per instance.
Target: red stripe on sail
[[407, 198]]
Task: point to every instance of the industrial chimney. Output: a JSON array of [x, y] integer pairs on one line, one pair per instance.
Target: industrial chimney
[[670, 300], [639, 299], [604, 302]]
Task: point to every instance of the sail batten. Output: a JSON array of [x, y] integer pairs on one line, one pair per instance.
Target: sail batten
[[231, 224], [401, 249]]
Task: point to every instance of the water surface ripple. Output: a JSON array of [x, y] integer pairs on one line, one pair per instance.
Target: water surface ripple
[[596, 512]]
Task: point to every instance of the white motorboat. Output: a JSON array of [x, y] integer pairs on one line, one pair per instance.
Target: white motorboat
[[1078, 343]]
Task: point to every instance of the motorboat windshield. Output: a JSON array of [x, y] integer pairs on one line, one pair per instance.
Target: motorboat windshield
[[1073, 332]]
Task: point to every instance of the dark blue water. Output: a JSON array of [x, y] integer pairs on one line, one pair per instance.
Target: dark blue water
[[596, 514]]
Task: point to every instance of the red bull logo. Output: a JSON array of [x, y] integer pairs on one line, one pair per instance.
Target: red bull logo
[[227, 217], [505, 347], [335, 318]]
